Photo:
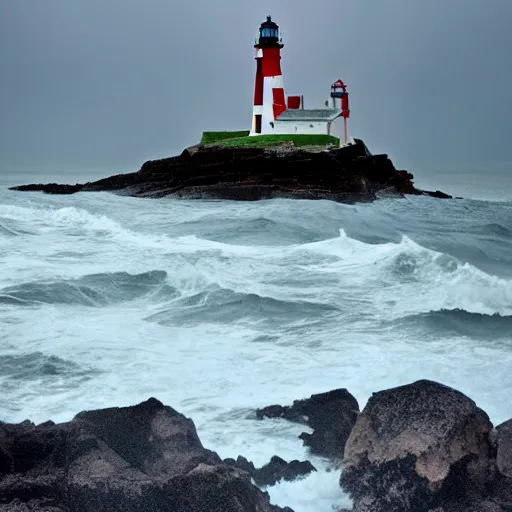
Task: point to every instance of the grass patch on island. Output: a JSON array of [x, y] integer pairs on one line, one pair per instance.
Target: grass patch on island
[[213, 137], [271, 140]]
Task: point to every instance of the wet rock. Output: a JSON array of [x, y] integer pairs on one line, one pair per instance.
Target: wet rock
[[331, 415], [349, 174], [437, 193], [276, 470], [51, 188], [145, 457], [290, 413], [414, 447], [504, 448]]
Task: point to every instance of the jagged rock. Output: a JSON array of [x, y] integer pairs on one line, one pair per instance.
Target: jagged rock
[[437, 193], [51, 188], [276, 470], [415, 447], [346, 174], [142, 458], [242, 463], [504, 448], [331, 415]]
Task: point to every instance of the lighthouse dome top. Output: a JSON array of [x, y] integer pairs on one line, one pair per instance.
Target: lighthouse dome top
[[269, 35], [270, 24]]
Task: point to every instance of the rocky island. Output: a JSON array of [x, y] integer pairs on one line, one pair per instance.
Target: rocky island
[[250, 168]]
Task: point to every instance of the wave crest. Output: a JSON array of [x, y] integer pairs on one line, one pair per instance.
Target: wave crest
[[418, 279], [463, 323], [92, 290], [218, 305]]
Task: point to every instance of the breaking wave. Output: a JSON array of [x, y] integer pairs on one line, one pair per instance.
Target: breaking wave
[[463, 323], [35, 365], [225, 306]]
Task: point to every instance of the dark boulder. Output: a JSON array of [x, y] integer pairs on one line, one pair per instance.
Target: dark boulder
[[417, 447], [331, 415], [275, 471], [142, 458]]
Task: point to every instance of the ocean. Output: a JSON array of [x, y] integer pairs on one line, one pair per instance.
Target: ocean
[[219, 307]]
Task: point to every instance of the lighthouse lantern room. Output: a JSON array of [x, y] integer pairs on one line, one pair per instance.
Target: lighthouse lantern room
[[274, 113]]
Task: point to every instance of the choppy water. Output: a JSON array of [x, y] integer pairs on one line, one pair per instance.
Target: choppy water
[[218, 307]]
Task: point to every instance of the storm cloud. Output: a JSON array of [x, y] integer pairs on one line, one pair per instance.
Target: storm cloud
[[108, 84]]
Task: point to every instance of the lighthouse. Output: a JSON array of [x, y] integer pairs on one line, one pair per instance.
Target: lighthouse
[[274, 113], [269, 97], [339, 90]]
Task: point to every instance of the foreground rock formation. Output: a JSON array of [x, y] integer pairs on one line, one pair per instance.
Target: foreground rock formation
[[347, 174], [134, 459], [426, 447], [423, 447]]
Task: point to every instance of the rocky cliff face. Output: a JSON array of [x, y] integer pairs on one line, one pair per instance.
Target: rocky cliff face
[[349, 174]]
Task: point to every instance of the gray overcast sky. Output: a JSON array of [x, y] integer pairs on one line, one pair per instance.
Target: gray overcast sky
[[107, 84]]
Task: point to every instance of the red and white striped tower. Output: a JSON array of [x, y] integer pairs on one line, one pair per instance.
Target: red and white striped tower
[[269, 97]]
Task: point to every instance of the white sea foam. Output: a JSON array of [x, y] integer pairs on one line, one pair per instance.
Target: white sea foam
[[323, 485]]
